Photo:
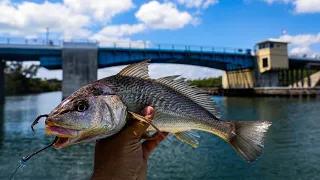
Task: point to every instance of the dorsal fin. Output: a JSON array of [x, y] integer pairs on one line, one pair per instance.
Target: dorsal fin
[[194, 93], [136, 70]]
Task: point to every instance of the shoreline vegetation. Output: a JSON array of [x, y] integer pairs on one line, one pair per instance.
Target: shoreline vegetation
[[22, 80], [207, 82]]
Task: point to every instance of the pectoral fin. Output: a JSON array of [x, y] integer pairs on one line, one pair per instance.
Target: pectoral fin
[[189, 137], [143, 119]]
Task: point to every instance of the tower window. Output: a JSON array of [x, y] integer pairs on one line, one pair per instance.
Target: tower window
[[271, 45], [265, 62]]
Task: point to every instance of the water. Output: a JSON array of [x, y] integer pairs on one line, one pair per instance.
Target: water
[[292, 145]]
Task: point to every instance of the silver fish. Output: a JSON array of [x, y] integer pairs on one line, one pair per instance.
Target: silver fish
[[98, 110]]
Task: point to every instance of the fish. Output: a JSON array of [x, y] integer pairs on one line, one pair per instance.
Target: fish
[[99, 110]]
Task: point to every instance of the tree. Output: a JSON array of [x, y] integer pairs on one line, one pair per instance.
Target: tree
[[21, 79]]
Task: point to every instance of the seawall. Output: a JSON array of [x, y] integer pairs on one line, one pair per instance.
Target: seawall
[[269, 91]]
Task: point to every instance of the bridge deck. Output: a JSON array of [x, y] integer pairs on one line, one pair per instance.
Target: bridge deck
[[113, 54]]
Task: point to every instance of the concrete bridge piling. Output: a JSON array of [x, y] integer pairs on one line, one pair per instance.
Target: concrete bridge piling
[[79, 65]]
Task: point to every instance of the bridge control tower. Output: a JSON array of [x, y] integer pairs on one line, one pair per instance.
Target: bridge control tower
[[271, 57]]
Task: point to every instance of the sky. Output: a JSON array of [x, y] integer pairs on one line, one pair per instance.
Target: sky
[[212, 23]]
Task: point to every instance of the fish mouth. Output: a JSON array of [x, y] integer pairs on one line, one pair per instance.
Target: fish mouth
[[65, 135]]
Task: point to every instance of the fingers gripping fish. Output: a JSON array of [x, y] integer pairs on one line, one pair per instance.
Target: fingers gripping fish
[[98, 110]]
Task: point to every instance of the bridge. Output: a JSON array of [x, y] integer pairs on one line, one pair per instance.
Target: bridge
[[80, 60]]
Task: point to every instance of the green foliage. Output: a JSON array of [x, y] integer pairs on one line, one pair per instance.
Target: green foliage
[[20, 80], [207, 82]]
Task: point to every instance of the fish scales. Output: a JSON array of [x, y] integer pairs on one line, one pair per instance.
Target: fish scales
[[174, 112], [98, 110]]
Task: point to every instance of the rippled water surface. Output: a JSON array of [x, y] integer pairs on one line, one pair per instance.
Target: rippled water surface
[[292, 146]]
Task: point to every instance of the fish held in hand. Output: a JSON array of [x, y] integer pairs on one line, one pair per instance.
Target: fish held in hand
[[98, 110]]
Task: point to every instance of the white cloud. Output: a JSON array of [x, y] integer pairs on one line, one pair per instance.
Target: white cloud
[[161, 70], [119, 34], [301, 6], [301, 50], [29, 19], [301, 43], [198, 3], [122, 30], [302, 39], [163, 16], [102, 10], [307, 6], [70, 19]]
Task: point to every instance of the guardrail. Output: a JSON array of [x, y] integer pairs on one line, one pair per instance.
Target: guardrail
[[124, 44], [305, 56], [29, 41], [171, 47]]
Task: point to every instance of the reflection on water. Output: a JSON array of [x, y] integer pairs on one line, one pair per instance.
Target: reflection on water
[[292, 145]]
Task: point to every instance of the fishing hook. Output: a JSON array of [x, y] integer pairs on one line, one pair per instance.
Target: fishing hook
[[37, 120]]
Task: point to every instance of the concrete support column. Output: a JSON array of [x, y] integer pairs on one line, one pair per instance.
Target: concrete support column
[[297, 77], [287, 77], [308, 75], [292, 78], [79, 65], [2, 66], [302, 77]]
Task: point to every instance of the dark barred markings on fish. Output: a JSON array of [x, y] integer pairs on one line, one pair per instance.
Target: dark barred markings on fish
[[98, 110]]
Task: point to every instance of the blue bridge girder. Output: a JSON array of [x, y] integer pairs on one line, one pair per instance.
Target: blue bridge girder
[[224, 61], [50, 56]]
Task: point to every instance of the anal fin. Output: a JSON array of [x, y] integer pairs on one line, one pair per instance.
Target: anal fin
[[189, 137]]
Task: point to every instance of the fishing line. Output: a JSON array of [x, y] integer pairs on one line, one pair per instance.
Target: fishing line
[[26, 158]]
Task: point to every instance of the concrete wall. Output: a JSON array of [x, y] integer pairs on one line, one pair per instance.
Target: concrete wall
[[79, 65], [268, 79], [238, 79]]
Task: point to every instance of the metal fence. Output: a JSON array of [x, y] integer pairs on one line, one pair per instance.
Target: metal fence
[[119, 44]]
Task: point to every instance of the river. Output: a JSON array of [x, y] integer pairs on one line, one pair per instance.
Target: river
[[292, 147]]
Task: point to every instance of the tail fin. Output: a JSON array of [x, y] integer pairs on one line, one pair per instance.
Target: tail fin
[[249, 138]]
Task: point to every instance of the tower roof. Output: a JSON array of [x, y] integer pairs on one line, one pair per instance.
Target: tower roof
[[273, 40]]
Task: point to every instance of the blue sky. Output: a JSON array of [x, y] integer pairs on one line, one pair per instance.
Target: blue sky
[[223, 23]]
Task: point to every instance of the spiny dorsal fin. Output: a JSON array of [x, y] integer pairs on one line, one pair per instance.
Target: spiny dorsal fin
[[136, 70], [194, 93]]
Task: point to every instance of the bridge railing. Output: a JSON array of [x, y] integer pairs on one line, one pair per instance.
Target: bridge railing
[[305, 56], [123, 44], [29, 41], [171, 47]]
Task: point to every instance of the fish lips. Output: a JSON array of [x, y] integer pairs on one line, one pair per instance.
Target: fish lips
[[66, 136]]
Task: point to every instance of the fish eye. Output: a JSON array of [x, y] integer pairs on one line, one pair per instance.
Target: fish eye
[[82, 107]]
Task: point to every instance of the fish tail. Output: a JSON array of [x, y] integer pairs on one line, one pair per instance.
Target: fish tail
[[247, 138]]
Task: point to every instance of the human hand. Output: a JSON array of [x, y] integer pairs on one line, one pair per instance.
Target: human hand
[[123, 156]]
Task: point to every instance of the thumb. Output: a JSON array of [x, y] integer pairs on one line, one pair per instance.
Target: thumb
[[138, 127]]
